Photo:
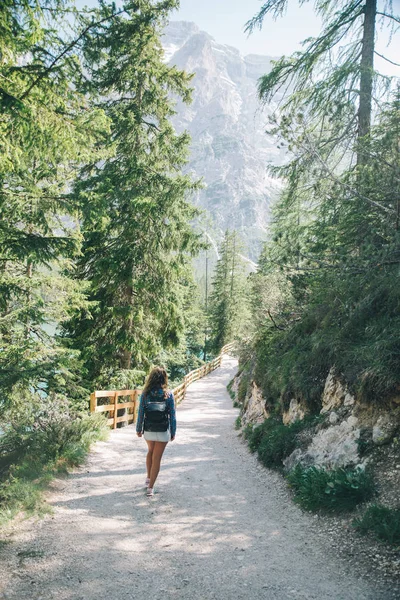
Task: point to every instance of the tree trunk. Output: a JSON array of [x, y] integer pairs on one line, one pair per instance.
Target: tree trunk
[[28, 274], [5, 330], [126, 359], [126, 353], [366, 73], [233, 262]]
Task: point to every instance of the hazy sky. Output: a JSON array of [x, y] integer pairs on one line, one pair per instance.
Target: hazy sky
[[225, 20]]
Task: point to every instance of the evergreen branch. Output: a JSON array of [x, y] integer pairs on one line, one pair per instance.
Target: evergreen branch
[[346, 186], [303, 62], [383, 14], [57, 10], [7, 96], [67, 49], [277, 6], [385, 162], [27, 195], [13, 314], [151, 125], [387, 59], [272, 319], [352, 269]]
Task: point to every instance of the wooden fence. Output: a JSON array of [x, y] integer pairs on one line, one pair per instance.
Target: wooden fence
[[119, 412]]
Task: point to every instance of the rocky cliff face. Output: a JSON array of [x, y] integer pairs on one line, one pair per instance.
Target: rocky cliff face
[[349, 431], [230, 149]]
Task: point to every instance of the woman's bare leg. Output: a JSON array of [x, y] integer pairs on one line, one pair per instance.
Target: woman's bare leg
[[158, 451], [149, 457]]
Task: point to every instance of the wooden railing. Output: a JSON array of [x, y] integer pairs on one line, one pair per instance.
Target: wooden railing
[[180, 391], [129, 409]]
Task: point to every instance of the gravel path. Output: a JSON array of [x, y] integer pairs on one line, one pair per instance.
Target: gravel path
[[219, 526]]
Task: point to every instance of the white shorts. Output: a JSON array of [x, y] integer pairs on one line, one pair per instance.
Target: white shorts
[[157, 436]]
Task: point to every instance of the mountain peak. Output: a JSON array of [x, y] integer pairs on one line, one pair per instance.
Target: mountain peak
[[230, 149]]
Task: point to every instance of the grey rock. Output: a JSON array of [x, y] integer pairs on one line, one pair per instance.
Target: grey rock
[[334, 447], [333, 418], [295, 413], [349, 400], [334, 393], [254, 407], [385, 429]]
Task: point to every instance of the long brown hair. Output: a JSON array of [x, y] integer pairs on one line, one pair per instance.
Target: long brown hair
[[156, 379]]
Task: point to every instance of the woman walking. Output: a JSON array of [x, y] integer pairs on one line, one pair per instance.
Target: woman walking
[[156, 422]]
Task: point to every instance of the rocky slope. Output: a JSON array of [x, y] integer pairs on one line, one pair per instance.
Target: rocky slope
[[350, 433], [230, 149]]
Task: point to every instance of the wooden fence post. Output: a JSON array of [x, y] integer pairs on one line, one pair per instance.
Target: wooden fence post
[[93, 402], [136, 395], [115, 410]]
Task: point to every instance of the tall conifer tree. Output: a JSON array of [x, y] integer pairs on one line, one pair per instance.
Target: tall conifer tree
[[135, 208], [47, 131], [228, 311]]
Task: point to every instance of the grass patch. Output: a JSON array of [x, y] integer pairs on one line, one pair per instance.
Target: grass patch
[[274, 441], [21, 492], [336, 490], [382, 522], [238, 423]]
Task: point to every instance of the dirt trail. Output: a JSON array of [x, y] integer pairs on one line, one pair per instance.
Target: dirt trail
[[219, 527]]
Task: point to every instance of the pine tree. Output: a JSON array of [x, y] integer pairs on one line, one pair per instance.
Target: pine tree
[[134, 205], [330, 80], [47, 131], [228, 313], [188, 354], [328, 89], [325, 123]]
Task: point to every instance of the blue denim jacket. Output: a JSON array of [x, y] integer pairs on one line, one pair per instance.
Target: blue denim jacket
[[157, 394]]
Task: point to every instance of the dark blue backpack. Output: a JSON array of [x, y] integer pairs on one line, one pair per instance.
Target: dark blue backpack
[[155, 413]]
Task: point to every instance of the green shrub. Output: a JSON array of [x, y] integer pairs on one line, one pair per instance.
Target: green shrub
[[48, 430], [382, 522], [20, 492], [247, 431], [335, 490], [277, 443], [46, 438], [254, 436], [126, 379], [119, 379], [242, 387], [238, 423]]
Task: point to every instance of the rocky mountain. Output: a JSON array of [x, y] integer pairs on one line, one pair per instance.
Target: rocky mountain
[[230, 149]]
